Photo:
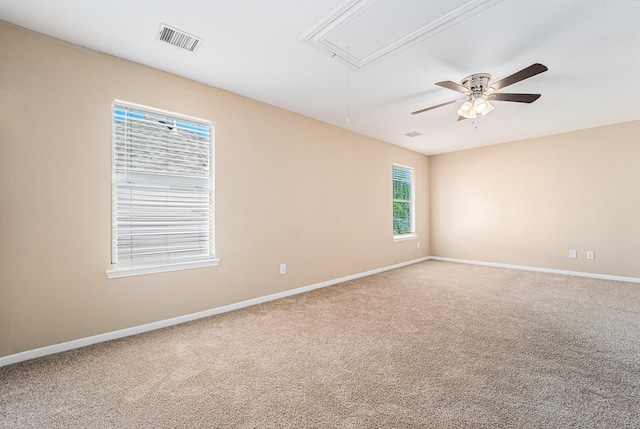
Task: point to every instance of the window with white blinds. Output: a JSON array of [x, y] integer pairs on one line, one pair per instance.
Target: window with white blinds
[[162, 191], [404, 223]]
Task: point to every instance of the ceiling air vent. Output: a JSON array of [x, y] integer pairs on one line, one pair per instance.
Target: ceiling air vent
[[178, 38]]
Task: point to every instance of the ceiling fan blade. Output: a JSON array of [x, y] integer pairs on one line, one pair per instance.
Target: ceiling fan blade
[[433, 107], [523, 74], [519, 98], [452, 85], [461, 118]]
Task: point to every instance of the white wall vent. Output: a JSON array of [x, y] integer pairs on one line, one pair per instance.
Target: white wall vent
[[178, 38]]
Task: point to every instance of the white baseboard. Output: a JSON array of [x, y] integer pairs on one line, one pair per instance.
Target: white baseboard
[[83, 342], [541, 270]]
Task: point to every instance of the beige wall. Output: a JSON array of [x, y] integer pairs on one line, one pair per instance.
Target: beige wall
[[529, 202], [55, 167]]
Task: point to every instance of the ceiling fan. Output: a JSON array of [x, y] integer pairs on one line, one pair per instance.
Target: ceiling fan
[[478, 93]]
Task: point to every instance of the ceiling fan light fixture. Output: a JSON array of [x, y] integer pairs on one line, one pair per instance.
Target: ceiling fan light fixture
[[467, 110], [480, 105], [488, 109]]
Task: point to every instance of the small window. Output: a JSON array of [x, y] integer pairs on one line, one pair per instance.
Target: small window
[[404, 224], [162, 191]]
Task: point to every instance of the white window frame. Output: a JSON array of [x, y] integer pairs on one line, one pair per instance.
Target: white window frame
[[412, 235], [155, 185]]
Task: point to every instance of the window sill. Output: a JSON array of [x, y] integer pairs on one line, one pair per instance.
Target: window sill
[[115, 273], [405, 237]]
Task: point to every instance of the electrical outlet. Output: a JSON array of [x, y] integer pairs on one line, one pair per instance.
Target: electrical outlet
[[591, 254], [573, 254], [418, 244], [283, 268]]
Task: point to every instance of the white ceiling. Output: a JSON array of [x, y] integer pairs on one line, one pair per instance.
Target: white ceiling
[[256, 48]]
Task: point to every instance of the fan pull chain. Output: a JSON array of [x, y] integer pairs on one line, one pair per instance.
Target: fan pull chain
[[348, 87]]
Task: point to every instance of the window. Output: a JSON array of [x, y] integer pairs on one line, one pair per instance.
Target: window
[[404, 225], [162, 191]]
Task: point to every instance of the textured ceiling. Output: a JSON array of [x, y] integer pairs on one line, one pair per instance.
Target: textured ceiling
[[256, 48]]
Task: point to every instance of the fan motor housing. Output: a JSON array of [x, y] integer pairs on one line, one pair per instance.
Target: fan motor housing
[[477, 83]]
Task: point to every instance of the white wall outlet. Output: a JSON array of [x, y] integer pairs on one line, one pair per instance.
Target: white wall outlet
[[418, 244], [591, 254], [283, 268], [573, 254]]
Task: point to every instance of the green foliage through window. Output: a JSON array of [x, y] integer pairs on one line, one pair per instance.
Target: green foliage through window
[[403, 204]]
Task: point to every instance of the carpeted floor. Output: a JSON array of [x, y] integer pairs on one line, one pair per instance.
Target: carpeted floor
[[431, 345]]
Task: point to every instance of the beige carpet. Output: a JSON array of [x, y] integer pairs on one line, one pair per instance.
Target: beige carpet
[[433, 345]]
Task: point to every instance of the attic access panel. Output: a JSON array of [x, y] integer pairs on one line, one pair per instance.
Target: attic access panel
[[363, 32]]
